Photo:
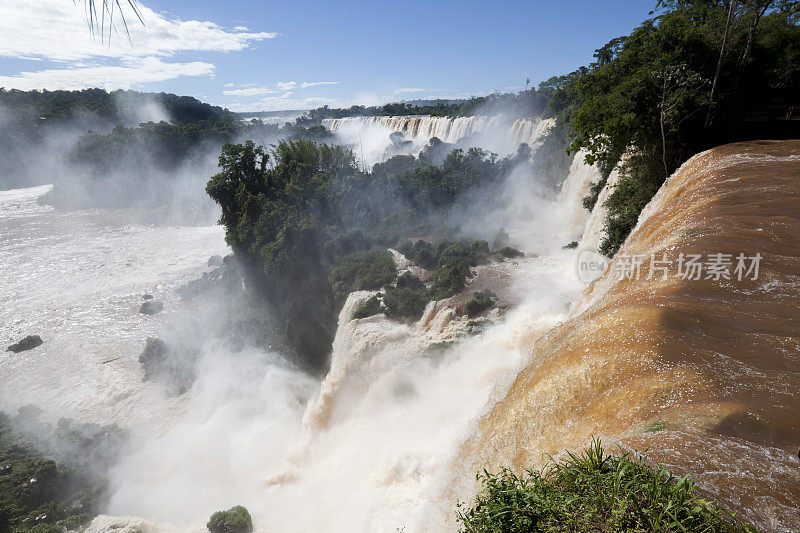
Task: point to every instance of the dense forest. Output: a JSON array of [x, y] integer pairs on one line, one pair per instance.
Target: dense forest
[[40, 129], [699, 73], [304, 218], [121, 148]]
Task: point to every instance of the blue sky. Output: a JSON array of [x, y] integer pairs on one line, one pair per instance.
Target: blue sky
[[267, 55]]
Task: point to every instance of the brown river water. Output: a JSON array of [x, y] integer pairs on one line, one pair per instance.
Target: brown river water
[[704, 373]]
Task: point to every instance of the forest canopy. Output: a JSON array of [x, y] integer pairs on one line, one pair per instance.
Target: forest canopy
[[303, 215]]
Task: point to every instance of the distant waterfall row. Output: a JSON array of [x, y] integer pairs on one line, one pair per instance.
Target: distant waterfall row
[[451, 130]]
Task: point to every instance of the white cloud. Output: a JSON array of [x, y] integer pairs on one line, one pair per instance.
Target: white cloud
[[56, 30], [404, 90], [307, 84], [130, 73], [241, 28], [282, 102], [249, 91], [282, 86]]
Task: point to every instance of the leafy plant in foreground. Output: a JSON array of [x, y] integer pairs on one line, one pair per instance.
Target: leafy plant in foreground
[[594, 491]]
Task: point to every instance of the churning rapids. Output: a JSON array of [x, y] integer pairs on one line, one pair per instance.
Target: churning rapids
[[392, 436], [362, 451]]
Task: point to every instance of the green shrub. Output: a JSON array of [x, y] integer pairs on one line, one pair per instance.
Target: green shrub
[[407, 279], [482, 301], [234, 520], [455, 260], [593, 491], [43, 492], [368, 308], [658, 425], [590, 200], [641, 178], [420, 252], [510, 253], [405, 303], [367, 270]]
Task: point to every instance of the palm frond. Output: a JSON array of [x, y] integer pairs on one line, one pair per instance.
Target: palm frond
[[100, 16]]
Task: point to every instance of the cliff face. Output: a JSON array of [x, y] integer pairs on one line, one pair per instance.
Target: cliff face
[[705, 373]]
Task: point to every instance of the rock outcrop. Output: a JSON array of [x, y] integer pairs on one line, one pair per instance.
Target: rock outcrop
[[28, 343], [151, 307]]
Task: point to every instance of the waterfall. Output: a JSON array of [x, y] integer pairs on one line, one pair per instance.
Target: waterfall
[[496, 133], [573, 190], [711, 363]]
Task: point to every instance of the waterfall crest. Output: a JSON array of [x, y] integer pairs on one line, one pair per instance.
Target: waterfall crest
[[709, 364], [497, 133]]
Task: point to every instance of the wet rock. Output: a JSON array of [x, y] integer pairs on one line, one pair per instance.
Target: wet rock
[[154, 357], [215, 261], [151, 307], [397, 138], [170, 367], [147, 297], [28, 343]]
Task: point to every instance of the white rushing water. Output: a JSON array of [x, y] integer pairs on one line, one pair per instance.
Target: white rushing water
[[370, 135], [364, 450], [76, 279]]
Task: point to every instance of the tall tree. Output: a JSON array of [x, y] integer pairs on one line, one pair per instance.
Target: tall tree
[[731, 9]]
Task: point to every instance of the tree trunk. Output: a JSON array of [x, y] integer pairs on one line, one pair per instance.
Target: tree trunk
[[731, 8], [759, 12], [663, 134]]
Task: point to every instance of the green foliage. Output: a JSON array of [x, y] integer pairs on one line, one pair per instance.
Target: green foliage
[[407, 279], [509, 253], [593, 491], [303, 226], [367, 270], [531, 102], [455, 260], [669, 90], [421, 253], [43, 492], [640, 179], [658, 425], [405, 303], [162, 145], [234, 520], [59, 106], [590, 200], [369, 308], [482, 301]]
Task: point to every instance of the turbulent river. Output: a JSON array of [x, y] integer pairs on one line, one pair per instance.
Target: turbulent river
[[365, 450], [702, 372], [76, 279]]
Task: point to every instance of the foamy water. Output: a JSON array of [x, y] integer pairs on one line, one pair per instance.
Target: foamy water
[[369, 136], [76, 279], [363, 451]]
